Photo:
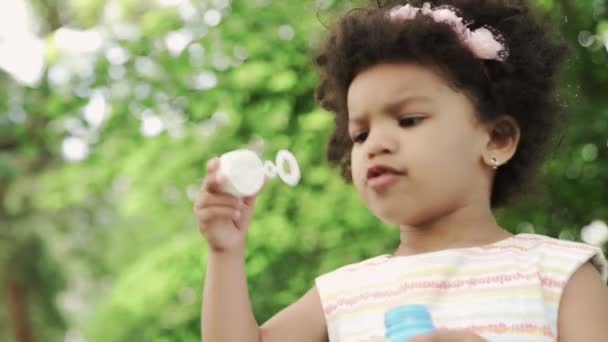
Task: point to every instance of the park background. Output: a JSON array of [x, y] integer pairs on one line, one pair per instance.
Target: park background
[[110, 108]]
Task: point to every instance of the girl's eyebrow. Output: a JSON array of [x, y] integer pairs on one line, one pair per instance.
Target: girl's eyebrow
[[392, 108]]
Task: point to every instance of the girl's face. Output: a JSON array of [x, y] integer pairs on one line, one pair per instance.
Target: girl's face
[[407, 118]]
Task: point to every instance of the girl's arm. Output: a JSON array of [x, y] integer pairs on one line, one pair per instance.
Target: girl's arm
[[227, 314], [583, 312], [226, 308], [303, 321]]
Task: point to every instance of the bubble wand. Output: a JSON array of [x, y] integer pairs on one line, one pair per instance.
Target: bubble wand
[[244, 171]]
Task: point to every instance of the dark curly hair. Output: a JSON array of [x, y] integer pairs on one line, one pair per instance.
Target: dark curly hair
[[524, 86]]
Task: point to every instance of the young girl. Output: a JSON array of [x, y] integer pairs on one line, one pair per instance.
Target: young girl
[[443, 110]]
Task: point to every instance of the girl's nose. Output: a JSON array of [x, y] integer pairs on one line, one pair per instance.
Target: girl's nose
[[379, 143]]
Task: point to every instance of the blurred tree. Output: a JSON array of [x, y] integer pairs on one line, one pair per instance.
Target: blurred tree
[[29, 276]]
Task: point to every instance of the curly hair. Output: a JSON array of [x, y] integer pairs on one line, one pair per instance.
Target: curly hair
[[523, 87]]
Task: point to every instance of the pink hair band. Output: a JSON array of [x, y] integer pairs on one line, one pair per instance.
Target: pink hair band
[[484, 43]]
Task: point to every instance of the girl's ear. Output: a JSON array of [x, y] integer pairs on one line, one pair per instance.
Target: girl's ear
[[504, 134]]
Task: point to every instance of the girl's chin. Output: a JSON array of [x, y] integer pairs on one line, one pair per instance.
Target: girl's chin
[[396, 217], [399, 213]]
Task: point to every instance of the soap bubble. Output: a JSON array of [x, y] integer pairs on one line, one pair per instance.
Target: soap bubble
[[596, 233], [586, 38]]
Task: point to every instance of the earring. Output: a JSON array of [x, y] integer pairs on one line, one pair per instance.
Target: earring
[[494, 162]]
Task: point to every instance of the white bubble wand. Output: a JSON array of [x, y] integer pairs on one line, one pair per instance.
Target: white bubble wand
[[244, 171]]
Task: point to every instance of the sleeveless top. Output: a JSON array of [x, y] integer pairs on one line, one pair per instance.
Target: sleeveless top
[[506, 291]]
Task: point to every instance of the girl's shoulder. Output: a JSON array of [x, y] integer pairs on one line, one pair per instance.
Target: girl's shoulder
[[353, 273], [364, 265], [555, 254], [546, 254]]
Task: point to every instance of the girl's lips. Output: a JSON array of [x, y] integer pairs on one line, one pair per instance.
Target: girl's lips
[[379, 169], [383, 181]]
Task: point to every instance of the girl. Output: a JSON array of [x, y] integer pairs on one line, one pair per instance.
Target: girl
[[443, 111]]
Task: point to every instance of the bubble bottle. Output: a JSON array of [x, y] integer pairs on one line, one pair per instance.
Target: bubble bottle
[[406, 321]]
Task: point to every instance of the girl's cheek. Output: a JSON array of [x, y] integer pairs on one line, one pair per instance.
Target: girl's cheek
[[356, 167]]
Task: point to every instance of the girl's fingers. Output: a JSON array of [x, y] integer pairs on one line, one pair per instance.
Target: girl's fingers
[[248, 201], [214, 213], [213, 164], [220, 199], [211, 179], [214, 183]]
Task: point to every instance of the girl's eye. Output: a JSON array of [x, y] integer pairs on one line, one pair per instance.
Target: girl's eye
[[410, 121], [359, 138]]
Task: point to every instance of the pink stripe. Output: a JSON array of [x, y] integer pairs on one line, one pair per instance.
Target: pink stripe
[[497, 328], [502, 328], [483, 249], [471, 283], [559, 243], [365, 264]]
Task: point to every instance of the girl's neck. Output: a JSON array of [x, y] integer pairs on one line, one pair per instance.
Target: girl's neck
[[465, 227]]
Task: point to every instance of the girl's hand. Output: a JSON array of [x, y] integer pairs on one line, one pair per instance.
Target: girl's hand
[[222, 218], [445, 335]]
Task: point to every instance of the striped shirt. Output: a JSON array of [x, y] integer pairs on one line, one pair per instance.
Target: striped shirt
[[505, 291]]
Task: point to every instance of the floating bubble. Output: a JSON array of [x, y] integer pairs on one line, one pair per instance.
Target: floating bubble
[[221, 4], [205, 80], [196, 53], [596, 233], [117, 72], [177, 41], [78, 41], [95, 111], [286, 32], [117, 55], [17, 115], [167, 3], [526, 227], [586, 38], [212, 17], [220, 62], [240, 52], [151, 126], [589, 152], [74, 149]]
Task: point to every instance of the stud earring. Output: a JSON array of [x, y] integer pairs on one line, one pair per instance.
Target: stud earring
[[494, 162]]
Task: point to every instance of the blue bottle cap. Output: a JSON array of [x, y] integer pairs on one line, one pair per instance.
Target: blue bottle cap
[[412, 313], [406, 321]]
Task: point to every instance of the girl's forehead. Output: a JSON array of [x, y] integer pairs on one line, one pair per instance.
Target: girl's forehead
[[386, 84], [394, 79], [394, 88]]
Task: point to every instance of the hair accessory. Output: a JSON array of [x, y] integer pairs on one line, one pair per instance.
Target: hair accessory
[[484, 42]]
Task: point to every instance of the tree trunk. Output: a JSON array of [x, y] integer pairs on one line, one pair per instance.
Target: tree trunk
[[16, 299]]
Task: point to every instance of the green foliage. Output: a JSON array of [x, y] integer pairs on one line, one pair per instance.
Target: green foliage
[[163, 293]]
